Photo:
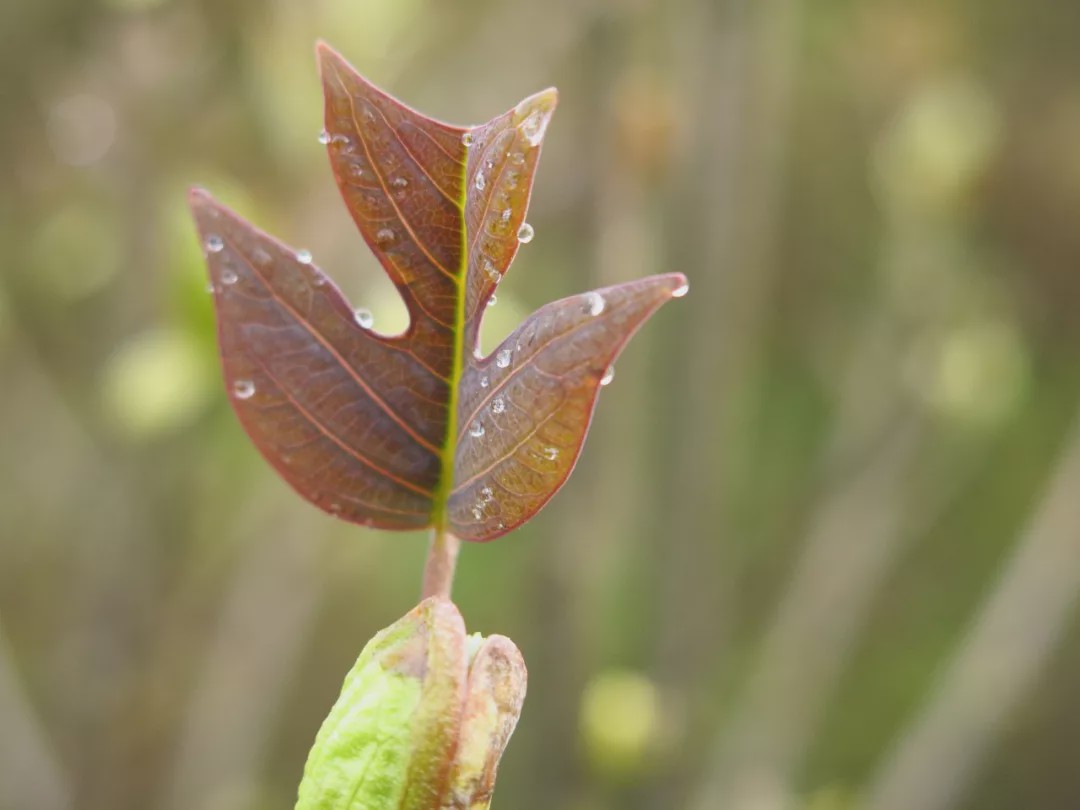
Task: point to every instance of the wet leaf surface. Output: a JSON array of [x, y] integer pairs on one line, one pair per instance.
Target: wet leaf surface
[[416, 430]]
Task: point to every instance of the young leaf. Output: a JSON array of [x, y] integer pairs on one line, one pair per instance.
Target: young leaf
[[422, 721], [417, 429]]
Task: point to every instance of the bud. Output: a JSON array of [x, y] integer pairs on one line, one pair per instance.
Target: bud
[[422, 719]]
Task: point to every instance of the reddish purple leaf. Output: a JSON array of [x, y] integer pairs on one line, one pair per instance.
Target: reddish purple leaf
[[416, 430]]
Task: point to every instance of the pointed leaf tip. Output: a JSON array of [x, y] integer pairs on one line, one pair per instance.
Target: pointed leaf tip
[[533, 114]]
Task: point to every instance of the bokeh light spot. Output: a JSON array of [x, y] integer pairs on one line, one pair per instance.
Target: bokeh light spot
[[81, 129], [158, 381]]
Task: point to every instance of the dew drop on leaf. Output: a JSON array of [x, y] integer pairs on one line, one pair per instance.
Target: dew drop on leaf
[[228, 276], [399, 183], [484, 382], [535, 123], [551, 453], [214, 243], [525, 233], [492, 301], [476, 430], [594, 303], [502, 359], [244, 389], [477, 513], [492, 273], [303, 256], [467, 139], [324, 137], [363, 317], [498, 405], [385, 237], [609, 375], [679, 292], [480, 181]]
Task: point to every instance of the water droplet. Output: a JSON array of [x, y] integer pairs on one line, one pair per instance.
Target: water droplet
[[399, 183], [467, 139], [609, 375], [525, 233], [502, 359], [341, 140], [476, 430], [480, 182], [594, 304], [679, 292], [356, 170], [516, 158], [492, 273], [303, 256], [505, 215], [261, 256], [384, 237], [228, 276], [214, 243], [551, 453], [535, 124], [364, 317], [492, 301], [511, 180], [324, 137], [484, 382], [369, 115], [487, 495], [498, 405], [243, 389], [477, 513]]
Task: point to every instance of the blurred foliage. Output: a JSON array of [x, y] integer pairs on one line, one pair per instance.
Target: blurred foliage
[[796, 508]]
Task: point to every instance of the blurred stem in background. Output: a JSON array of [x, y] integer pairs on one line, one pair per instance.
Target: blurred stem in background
[[999, 662], [30, 775]]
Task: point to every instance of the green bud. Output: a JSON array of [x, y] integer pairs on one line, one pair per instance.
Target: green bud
[[422, 719]]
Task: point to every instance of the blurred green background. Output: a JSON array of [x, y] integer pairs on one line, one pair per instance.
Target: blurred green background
[[822, 550]]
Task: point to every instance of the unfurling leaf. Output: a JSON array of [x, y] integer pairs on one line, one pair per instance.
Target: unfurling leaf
[[422, 719], [416, 430]]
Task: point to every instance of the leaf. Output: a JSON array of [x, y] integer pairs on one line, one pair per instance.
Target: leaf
[[417, 429], [422, 720]]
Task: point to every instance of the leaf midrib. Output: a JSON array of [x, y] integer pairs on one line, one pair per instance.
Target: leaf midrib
[[439, 510]]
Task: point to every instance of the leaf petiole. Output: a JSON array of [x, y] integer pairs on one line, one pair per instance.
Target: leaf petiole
[[441, 562]]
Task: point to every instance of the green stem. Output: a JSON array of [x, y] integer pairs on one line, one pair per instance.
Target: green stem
[[441, 561]]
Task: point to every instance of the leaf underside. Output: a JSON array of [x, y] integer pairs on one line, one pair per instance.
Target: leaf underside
[[417, 429]]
